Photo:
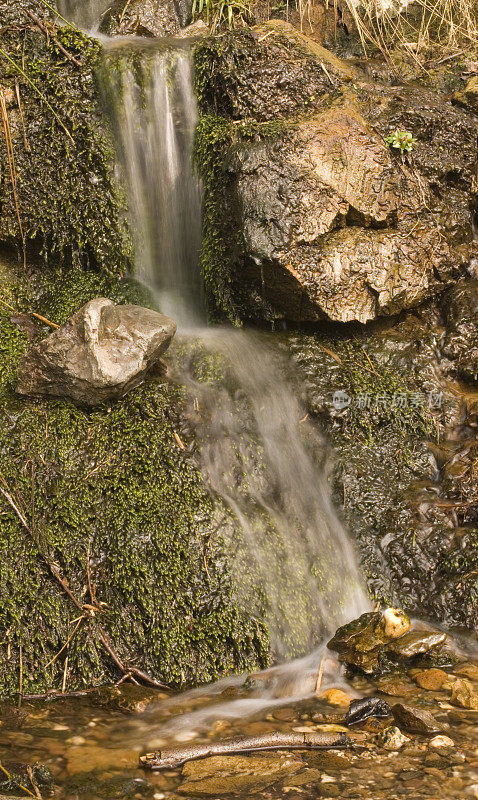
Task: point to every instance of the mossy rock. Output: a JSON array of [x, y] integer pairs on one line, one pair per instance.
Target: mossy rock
[[111, 488], [67, 203]]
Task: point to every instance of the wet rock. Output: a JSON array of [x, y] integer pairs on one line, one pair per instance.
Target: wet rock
[[101, 353], [415, 720], [416, 642], [364, 642], [395, 687], [360, 710], [391, 738], [224, 775], [431, 679], [461, 340], [127, 697], [441, 741], [468, 96], [463, 694], [336, 697], [150, 18]]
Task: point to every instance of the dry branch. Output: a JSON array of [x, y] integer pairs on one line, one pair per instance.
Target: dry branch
[[174, 757]]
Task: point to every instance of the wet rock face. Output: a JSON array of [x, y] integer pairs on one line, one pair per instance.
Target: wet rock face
[[101, 353], [151, 18], [461, 341], [334, 224]]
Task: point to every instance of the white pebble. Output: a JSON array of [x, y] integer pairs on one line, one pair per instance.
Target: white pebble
[[327, 778], [76, 740], [442, 741]]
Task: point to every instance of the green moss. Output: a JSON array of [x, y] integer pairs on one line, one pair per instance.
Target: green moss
[[71, 207], [112, 483], [213, 137]]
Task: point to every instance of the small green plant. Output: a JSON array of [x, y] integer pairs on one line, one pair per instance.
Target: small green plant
[[217, 12], [401, 140]]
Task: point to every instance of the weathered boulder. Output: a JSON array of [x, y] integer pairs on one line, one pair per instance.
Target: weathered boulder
[[330, 222], [151, 18], [101, 353], [468, 96], [461, 340]]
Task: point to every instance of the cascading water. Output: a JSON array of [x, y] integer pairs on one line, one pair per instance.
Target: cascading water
[[258, 453], [150, 93]]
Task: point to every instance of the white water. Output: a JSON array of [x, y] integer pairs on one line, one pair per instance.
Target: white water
[[86, 14]]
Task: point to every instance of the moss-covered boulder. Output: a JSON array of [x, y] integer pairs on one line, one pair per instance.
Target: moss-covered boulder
[[116, 507], [58, 191], [318, 217]]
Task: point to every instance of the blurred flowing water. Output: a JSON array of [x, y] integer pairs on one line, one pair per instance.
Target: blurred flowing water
[[292, 559], [86, 14]]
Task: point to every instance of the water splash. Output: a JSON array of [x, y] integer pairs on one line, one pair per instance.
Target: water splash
[[151, 97]]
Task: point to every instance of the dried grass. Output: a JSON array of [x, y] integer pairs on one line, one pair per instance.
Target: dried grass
[[417, 25]]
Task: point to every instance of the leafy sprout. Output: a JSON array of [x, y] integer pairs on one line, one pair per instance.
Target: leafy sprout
[[401, 140]]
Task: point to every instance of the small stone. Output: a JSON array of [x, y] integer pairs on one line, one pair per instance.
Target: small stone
[[76, 740], [431, 679], [415, 720], [442, 741], [88, 759], [396, 622], [360, 710], [327, 778], [336, 697], [391, 738], [463, 694], [395, 687], [186, 736]]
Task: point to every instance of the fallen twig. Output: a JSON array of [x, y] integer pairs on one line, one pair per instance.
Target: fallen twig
[[45, 30], [174, 757], [135, 673], [34, 783]]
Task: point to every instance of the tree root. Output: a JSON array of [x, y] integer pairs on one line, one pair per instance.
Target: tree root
[[174, 757]]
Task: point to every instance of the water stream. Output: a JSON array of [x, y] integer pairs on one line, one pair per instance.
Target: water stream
[[258, 451]]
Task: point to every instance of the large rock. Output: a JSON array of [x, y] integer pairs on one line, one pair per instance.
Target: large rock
[[331, 222], [101, 353]]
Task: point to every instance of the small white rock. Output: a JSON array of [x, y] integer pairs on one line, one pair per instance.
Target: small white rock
[[185, 736], [442, 741], [327, 778], [76, 740]]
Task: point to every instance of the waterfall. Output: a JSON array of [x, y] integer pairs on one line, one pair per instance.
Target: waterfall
[[257, 450], [154, 122]]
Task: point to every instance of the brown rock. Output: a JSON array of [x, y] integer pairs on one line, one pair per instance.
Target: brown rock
[[468, 671], [415, 720], [89, 758], [463, 694], [431, 679], [416, 642]]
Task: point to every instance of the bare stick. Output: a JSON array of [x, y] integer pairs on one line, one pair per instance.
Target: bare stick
[[23, 788], [34, 783], [45, 30], [318, 682], [174, 757]]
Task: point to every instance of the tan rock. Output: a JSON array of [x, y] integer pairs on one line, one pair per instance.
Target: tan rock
[[336, 697], [463, 694], [229, 775], [468, 671], [391, 738], [432, 679]]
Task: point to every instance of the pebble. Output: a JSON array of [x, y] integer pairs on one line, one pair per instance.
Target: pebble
[[468, 670], [432, 679], [336, 697], [415, 720], [442, 741], [186, 736], [392, 738], [76, 740], [463, 694]]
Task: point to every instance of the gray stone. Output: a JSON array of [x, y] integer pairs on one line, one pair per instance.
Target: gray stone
[[415, 642], [101, 353]]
